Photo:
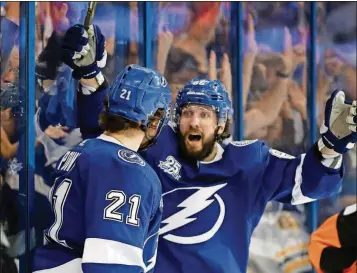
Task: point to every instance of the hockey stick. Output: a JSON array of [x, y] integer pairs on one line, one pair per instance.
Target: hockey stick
[[90, 14], [89, 17]]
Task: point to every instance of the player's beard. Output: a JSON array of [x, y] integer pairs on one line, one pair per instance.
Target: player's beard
[[207, 144]]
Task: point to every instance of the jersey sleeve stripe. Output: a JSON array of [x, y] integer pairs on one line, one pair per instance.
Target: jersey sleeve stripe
[[104, 251], [298, 197]]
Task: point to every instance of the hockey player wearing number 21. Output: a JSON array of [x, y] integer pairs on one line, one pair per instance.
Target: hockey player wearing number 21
[[214, 193], [106, 200]]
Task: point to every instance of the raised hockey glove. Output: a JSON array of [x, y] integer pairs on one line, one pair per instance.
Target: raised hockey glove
[[339, 128], [84, 51]]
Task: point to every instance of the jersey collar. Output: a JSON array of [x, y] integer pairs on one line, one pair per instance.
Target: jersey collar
[[111, 139], [218, 156]]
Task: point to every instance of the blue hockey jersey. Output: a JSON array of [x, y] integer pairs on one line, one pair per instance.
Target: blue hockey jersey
[[107, 205], [211, 209]]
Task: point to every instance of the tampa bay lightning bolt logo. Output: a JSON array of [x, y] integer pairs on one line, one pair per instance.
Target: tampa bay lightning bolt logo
[[131, 157], [201, 199]]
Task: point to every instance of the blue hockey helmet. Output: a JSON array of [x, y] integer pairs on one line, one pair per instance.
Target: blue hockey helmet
[[205, 92], [138, 93]]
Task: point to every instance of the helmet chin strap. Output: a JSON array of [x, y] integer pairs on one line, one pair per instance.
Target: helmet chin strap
[[216, 132]]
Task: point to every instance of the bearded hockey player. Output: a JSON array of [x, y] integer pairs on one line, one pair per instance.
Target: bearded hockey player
[[214, 195], [106, 200]]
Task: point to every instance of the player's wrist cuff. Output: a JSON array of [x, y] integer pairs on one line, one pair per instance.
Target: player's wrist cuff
[[329, 160], [87, 89]]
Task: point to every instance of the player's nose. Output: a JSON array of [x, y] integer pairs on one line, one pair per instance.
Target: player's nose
[[194, 121]]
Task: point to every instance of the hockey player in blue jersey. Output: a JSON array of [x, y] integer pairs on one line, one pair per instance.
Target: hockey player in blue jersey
[[106, 200], [214, 194]]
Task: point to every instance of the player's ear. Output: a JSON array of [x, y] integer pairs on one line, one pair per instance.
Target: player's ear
[[221, 129]]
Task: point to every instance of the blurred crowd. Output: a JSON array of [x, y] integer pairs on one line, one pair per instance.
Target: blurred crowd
[[189, 39]]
